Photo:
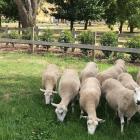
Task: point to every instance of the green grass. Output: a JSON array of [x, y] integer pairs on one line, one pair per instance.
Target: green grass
[[24, 115]]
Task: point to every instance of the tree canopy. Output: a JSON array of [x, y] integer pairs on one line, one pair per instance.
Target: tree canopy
[[73, 10], [121, 11], [9, 9], [90, 10]]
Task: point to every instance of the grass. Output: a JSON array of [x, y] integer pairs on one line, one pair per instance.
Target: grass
[[24, 115]]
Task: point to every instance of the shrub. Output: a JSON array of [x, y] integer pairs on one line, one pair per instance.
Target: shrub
[[13, 35], [47, 35], [109, 39], [27, 35], [134, 43], [66, 37], [86, 37]]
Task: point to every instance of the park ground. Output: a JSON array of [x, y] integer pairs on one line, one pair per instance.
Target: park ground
[[24, 115], [95, 27]]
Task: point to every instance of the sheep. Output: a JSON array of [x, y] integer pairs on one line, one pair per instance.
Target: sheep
[[112, 72], [50, 78], [138, 78], [123, 100], [69, 86], [127, 81], [90, 70], [90, 93]]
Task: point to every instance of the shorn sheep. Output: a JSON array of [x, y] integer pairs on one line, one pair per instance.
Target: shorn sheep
[[112, 72], [50, 77], [127, 81], [69, 86], [123, 100], [138, 78], [90, 93], [90, 70]]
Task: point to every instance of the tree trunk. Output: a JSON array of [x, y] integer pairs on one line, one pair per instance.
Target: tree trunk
[[131, 28], [19, 26], [86, 24], [121, 27], [27, 12], [89, 23], [71, 25]]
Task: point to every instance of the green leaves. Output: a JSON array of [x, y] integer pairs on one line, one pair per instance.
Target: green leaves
[[73, 10], [8, 9]]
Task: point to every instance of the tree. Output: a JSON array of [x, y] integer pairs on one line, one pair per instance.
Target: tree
[[65, 9], [110, 12], [8, 9], [73, 10], [27, 10], [121, 11], [115, 13], [89, 10], [133, 14]]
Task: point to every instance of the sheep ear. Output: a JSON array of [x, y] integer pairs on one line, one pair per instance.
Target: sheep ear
[[100, 120], [53, 104], [43, 90], [55, 92]]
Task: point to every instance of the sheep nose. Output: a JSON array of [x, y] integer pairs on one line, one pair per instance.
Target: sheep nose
[[138, 102]]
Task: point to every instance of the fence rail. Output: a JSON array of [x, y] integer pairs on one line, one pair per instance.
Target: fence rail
[[71, 45], [122, 38]]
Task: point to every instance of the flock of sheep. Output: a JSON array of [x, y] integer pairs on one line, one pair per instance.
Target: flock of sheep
[[118, 87]]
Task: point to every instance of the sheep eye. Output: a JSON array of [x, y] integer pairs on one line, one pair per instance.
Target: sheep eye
[[135, 91]]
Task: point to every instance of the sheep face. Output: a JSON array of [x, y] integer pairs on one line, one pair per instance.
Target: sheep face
[[91, 125], [48, 97], [60, 111], [137, 95]]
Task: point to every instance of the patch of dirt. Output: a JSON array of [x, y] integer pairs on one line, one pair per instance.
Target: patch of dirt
[[39, 50], [56, 50]]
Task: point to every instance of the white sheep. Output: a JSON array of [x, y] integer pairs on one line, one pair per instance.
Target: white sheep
[[138, 78], [50, 78], [127, 81], [68, 89], [90, 70], [113, 71], [123, 100], [90, 93]]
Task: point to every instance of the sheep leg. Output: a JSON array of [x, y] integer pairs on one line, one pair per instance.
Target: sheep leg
[[72, 106], [82, 114], [121, 121], [52, 97], [77, 98], [128, 120]]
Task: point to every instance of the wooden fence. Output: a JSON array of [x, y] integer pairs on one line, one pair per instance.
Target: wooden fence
[[71, 45], [122, 38]]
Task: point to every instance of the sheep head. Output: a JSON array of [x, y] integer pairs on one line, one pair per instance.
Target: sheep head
[[61, 111], [137, 95], [48, 95], [92, 123]]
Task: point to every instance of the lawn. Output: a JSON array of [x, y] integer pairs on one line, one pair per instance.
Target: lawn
[[24, 115]]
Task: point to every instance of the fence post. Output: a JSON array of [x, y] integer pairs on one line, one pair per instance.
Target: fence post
[[6, 30], [6, 33], [37, 34], [33, 38], [74, 36], [93, 51]]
